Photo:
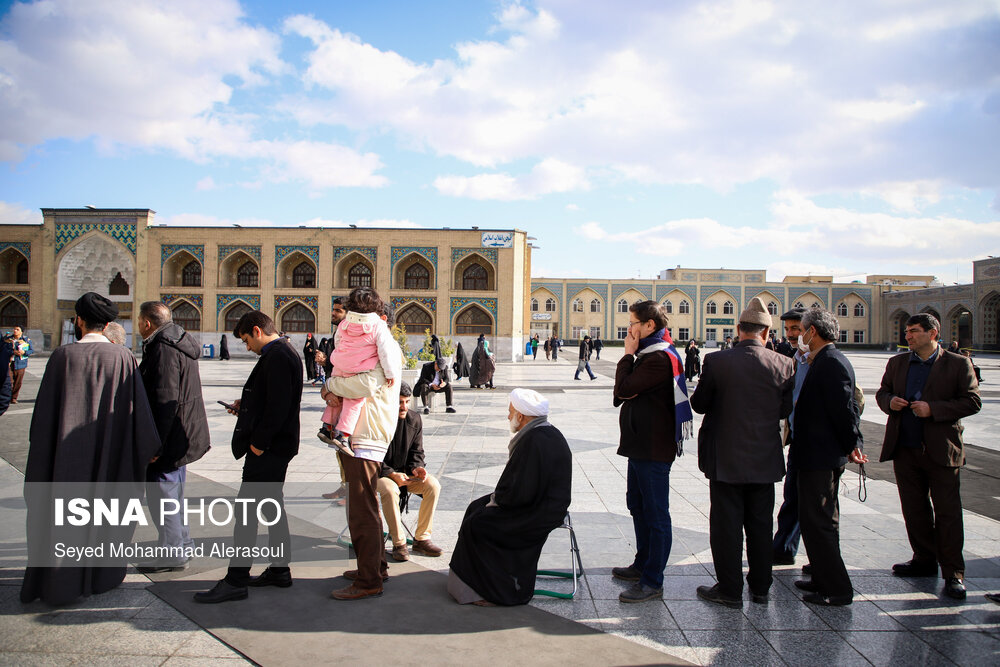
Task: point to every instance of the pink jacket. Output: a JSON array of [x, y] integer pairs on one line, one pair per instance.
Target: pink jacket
[[362, 340]]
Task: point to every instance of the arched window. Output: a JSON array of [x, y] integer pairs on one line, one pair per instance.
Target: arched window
[[186, 316], [246, 275], [550, 305], [360, 275], [841, 309], [417, 277], [711, 308], [22, 272], [684, 307], [304, 275], [118, 286], [534, 305], [191, 274], [728, 308], [668, 307], [799, 304], [234, 314], [815, 305], [298, 319], [13, 314], [622, 306], [577, 306], [595, 305], [475, 321], [859, 310], [414, 319], [475, 277], [772, 308]]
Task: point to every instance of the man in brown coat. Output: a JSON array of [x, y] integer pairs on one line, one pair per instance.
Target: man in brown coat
[[744, 394], [926, 392]]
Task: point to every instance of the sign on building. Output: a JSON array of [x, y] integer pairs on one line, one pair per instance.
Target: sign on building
[[498, 239]]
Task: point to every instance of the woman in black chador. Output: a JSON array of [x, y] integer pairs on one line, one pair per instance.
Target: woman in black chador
[[692, 361], [481, 371], [461, 365], [223, 349]]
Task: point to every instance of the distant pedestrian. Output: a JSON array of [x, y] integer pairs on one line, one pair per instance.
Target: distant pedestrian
[[547, 346], [584, 362], [692, 360], [482, 368], [223, 349], [598, 346], [309, 356], [534, 347], [461, 365], [555, 347], [19, 362]]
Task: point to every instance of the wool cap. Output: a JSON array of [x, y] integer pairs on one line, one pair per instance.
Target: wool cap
[[756, 313]]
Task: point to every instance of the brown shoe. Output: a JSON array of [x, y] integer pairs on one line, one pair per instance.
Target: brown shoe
[[400, 553], [336, 495], [352, 592], [426, 548], [352, 575]]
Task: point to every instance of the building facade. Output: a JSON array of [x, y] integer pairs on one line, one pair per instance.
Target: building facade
[[457, 283]]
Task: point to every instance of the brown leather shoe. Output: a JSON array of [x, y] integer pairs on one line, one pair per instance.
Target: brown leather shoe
[[352, 592], [400, 553], [426, 548], [352, 575]]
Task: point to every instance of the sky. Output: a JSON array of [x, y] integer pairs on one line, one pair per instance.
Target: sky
[[800, 137]]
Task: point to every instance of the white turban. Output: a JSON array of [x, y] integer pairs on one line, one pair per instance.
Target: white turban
[[529, 402]]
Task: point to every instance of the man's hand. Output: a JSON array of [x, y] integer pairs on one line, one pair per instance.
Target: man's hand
[[632, 340], [898, 403], [256, 452], [399, 478], [920, 408], [236, 407], [420, 473], [857, 456], [390, 381]]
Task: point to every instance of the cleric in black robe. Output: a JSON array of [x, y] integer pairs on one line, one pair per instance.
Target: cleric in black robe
[[461, 365], [92, 424], [503, 533]]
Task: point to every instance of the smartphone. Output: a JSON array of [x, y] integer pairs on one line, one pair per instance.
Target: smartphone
[[227, 406]]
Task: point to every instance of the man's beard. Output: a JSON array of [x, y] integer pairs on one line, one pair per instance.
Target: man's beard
[[77, 331]]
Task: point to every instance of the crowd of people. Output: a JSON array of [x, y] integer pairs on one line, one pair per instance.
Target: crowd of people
[[104, 417]]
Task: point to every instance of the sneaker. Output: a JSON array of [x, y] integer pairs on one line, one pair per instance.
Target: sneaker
[[450, 409], [341, 443], [630, 573], [713, 594], [326, 436], [427, 411], [640, 593]]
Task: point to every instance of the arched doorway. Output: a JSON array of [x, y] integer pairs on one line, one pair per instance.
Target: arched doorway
[[989, 314], [186, 316], [474, 321], [13, 267], [13, 314], [958, 327], [239, 270], [298, 319], [897, 327], [97, 263], [414, 319], [234, 313]]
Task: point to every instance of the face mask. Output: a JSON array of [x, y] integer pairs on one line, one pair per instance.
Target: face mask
[[514, 424], [803, 347]]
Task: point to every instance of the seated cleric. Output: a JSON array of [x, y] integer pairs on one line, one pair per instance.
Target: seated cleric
[[503, 533]]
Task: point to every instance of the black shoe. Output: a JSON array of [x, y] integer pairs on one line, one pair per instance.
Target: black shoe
[[783, 560], [427, 411], [759, 599], [154, 568], [915, 569], [807, 585], [576, 378], [955, 588], [270, 577], [828, 600], [221, 592], [807, 568], [993, 597], [640, 593], [629, 573], [713, 594], [450, 410]]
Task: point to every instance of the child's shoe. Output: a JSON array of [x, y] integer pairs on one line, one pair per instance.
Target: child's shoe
[[342, 443], [326, 435]]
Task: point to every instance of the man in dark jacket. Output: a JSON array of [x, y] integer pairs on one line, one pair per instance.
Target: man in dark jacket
[[434, 380], [584, 362], [267, 433], [825, 435], [744, 394], [170, 375], [403, 473], [337, 314], [926, 392], [644, 388]]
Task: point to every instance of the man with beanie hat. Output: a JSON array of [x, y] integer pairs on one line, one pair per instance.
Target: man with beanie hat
[[744, 393]]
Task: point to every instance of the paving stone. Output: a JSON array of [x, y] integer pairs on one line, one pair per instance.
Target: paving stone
[[732, 647], [895, 648]]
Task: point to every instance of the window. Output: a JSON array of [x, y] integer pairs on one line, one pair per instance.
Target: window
[[622, 332], [728, 308], [417, 277], [595, 332], [303, 275], [815, 305], [475, 321], [859, 310], [683, 334], [684, 307], [799, 304], [22, 272], [711, 335], [550, 305], [298, 319], [668, 307], [191, 274], [360, 275], [577, 306], [475, 277], [118, 286], [728, 333], [772, 308], [414, 319], [841, 309], [534, 305], [595, 305], [859, 336], [710, 308], [186, 316], [578, 332], [246, 276], [843, 336], [234, 314], [622, 306], [13, 314]]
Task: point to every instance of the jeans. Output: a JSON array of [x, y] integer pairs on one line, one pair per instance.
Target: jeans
[[169, 485], [583, 365], [786, 537], [648, 500]]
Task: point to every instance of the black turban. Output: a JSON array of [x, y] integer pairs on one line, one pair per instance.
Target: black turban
[[96, 309]]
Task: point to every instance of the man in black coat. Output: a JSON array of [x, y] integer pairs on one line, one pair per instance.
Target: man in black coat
[[434, 380], [825, 435], [309, 355], [584, 362], [337, 314], [170, 375], [267, 433]]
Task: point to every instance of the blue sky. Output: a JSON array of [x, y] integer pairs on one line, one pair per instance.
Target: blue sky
[[626, 137]]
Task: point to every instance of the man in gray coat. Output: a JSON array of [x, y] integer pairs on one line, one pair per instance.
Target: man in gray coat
[[744, 393]]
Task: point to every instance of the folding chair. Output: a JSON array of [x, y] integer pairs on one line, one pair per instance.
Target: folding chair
[[576, 566]]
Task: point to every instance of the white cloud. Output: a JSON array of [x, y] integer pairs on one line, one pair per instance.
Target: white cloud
[[909, 197], [207, 183], [545, 178], [199, 220], [15, 214], [572, 207]]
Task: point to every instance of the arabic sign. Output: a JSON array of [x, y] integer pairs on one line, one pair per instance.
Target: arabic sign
[[541, 316], [498, 239], [719, 320]]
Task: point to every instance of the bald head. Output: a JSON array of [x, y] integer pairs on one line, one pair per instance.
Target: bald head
[[156, 312]]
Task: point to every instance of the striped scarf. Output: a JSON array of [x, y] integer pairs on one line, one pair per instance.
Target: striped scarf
[[683, 417]]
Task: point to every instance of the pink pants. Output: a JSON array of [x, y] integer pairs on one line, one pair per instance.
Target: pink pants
[[348, 415]]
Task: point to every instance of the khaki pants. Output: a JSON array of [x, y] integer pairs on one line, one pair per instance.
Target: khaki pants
[[430, 488]]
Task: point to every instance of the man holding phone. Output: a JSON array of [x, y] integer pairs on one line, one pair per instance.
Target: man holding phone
[[267, 433]]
